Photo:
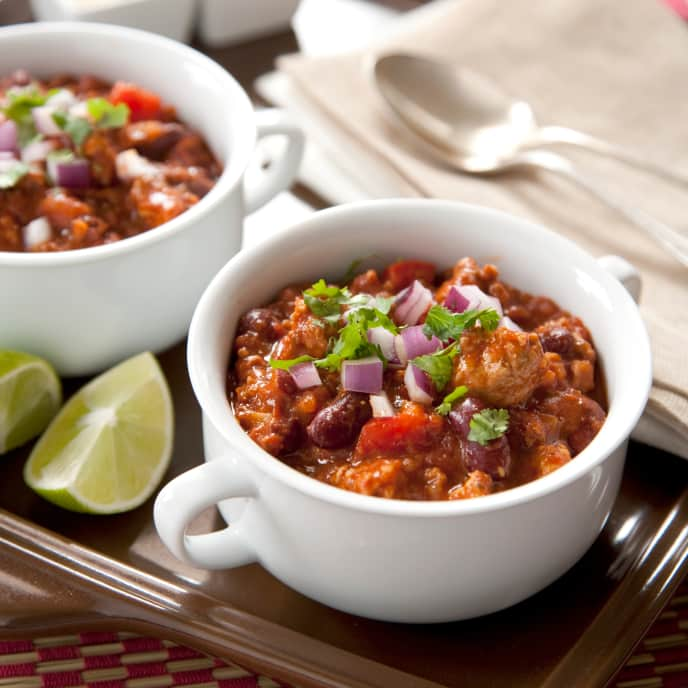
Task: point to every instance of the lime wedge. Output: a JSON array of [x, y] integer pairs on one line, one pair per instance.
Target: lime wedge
[[108, 448], [30, 396]]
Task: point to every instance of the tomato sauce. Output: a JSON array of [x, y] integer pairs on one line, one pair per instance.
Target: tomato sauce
[[537, 368], [140, 175]]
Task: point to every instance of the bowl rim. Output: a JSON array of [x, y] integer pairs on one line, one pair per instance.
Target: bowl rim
[[238, 441], [228, 180]]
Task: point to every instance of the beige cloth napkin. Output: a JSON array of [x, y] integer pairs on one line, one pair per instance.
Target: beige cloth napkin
[[615, 70]]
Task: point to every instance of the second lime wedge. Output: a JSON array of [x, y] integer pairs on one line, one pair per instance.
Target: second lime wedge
[[108, 448]]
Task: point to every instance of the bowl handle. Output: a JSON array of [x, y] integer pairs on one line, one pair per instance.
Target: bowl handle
[[282, 171], [624, 272], [186, 496]]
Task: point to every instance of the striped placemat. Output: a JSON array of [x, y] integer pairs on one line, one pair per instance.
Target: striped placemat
[[117, 660], [126, 660]]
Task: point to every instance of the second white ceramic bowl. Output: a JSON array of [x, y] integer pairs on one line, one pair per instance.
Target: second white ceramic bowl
[[391, 559], [87, 309]]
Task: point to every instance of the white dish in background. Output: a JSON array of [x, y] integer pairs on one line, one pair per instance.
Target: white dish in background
[[227, 21], [171, 18]]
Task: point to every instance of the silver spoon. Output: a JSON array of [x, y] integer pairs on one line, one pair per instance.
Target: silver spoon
[[473, 127]]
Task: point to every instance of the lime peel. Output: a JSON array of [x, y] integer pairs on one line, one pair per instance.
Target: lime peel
[[110, 445], [30, 396]]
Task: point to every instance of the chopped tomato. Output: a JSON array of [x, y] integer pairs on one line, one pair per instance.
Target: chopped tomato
[[397, 435], [400, 274], [142, 104]]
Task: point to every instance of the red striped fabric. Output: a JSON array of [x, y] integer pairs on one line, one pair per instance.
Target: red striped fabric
[[61, 679], [16, 670], [52, 654], [102, 661], [142, 644], [10, 647]]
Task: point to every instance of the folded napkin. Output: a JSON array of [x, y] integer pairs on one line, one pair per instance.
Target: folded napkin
[[615, 70]]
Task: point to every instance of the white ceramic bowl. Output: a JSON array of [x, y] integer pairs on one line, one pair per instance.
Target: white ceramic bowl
[[85, 310], [402, 560]]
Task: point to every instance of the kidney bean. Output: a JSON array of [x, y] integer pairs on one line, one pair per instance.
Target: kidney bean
[[558, 340], [339, 423], [494, 458], [593, 418], [460, 416], [262, 321]]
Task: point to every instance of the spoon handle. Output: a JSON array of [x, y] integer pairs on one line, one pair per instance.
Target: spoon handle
[[673, 241], [551, 135]]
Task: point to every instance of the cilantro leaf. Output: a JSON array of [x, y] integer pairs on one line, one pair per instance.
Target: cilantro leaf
[[106, 115], [446, 325], [488, 424], [438, 365], [77, 128], [20, 102], [325, 301], [352, 342], [10, 174], [446, 405], [286, 363]]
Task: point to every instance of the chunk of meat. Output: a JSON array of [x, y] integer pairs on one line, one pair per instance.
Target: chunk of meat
[[378, 478], [435, 483], [60, 208], [528, 428], [549, 457], [307, 335], [338, 424], [156, 202], [101, 151], [477, 484], [10, 234], [502, 367]]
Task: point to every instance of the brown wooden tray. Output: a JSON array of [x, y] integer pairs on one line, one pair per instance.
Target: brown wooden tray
[[64, 571]]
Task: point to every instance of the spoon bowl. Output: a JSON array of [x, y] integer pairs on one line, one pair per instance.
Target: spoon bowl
[[473, 126], [456, 109]]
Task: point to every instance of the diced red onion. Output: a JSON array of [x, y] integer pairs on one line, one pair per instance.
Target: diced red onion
[[381, 405], [8, 155], [412, 302], [305, 375], [80, 109], [384, 339], [477, 299], [62, 100], [36, 232], [43, 119], [72, 174], [130, 165], [412, 342], [506, 321], [362, 375], [36, 151], [8, 136], [455, 301], [418, 385]]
